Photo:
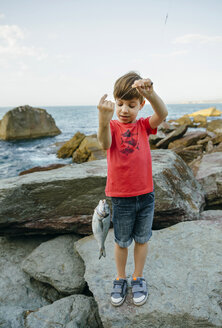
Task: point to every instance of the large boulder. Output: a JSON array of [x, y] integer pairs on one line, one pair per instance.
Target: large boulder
[[75, 311], [63, 200], [179, 196], [54, 262], [19, 293], [26, 122], [209, 174], [183, 272], [50, 202]]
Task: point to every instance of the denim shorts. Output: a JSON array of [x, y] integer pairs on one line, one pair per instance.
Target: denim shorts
[[133, 218]]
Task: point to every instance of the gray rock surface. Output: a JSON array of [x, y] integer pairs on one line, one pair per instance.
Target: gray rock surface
[[64, 199], [179, 196], [27, 122], [209, 174], [55, 262], [211, 215], [76, 311], [12, 316], [183, 271], [17, 292], [176, 134]]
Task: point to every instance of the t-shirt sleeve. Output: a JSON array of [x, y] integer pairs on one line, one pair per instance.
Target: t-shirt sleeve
[[149, 130]]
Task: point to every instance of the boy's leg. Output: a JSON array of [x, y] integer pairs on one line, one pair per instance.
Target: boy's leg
[[121, 254], [140, 254]]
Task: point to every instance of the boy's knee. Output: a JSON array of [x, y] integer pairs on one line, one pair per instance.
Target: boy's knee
[[122, 247], [141, 244]]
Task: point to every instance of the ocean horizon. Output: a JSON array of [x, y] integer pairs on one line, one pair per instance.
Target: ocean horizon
[[20, 155]]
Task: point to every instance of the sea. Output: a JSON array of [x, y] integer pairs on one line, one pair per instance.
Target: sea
[[20, 155]]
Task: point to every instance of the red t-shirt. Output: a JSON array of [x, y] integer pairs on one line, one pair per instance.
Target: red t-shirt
[[129, 162]]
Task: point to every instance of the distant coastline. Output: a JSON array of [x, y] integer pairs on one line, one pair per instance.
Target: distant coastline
[[210, 101]]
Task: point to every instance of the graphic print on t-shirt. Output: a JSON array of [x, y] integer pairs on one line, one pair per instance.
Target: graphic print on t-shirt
[[129, 142]]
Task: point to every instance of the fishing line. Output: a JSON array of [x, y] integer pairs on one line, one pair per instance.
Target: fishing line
[[165, 21]]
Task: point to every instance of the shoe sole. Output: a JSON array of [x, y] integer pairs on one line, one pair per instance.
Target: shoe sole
[[142, 302], [120, 303]]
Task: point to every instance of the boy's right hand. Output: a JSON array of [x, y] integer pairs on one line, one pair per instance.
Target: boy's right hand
[[106, 110]]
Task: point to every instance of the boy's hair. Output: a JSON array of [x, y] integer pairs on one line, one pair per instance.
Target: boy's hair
[[124, 84]]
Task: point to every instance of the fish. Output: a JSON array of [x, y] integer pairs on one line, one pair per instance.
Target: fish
[[101, 224]]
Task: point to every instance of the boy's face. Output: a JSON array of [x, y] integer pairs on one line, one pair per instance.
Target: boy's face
[[127, 110]]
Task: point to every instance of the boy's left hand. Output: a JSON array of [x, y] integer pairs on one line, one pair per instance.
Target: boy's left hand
[[144, 87]]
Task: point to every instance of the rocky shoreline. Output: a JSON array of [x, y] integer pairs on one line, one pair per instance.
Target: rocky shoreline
[[50, 274]]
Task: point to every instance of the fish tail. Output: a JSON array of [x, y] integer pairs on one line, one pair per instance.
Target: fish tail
[[102, 253]]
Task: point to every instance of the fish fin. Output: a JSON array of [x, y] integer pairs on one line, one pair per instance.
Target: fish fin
[[102, 252]]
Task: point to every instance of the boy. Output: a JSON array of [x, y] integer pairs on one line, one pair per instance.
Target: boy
[[129, 176]]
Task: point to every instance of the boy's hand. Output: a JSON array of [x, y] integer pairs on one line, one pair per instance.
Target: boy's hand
[[106, 110], [144, 87]]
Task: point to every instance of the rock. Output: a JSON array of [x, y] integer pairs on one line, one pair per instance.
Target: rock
[[204, 142], [76, 311], [178, 133], [184, 120], [18, 292], [179, 197], [209, 174], [70, 146], [54, 262], [217, 139], [155, 138], [218, 148], [184, 286], [88, 150], [26, 122], [42, 168], [194, 165], [165, 127], [12, 317], [211, 111], [188, 154], [189, 139], [52, 202], [96, 155], [215, 126], [201, 120], [211, 215], [64, 199], [209, 146]]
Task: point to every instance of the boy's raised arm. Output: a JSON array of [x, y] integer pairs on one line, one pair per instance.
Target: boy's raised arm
[[145, 88], [106, 110]]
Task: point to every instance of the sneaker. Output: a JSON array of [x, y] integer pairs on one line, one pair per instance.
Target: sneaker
[[139, 290], [119, 291]]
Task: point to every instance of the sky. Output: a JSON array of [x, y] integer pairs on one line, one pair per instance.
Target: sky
[[71, 52]]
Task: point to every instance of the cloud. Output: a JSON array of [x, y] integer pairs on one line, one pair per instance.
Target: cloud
[[198, 38], [171, 54], [11, 37], [10, 34], [2, 16]]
